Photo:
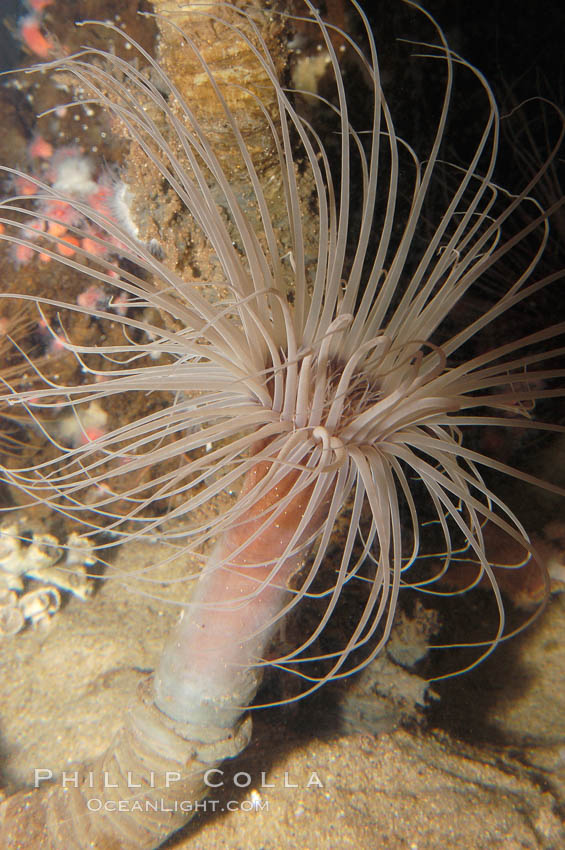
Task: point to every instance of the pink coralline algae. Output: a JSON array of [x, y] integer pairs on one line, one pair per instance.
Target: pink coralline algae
[[31, 29], [71, 194]]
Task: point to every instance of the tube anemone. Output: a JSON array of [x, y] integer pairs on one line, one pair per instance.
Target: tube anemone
[[319, 368]]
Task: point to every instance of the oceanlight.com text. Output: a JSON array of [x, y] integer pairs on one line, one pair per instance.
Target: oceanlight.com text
[[95, 804]]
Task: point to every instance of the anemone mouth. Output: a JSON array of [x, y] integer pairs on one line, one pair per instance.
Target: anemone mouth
[[353, 390]]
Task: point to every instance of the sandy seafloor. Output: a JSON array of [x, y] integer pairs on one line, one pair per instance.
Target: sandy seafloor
[[487, 772], [388, 779]]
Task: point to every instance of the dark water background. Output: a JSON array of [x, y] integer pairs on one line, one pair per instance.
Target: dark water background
[[9, 49]]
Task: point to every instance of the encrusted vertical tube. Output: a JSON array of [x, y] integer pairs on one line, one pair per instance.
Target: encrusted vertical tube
[[217, 31]]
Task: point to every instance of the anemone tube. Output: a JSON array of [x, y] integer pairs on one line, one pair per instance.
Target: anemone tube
[[300, 393]]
